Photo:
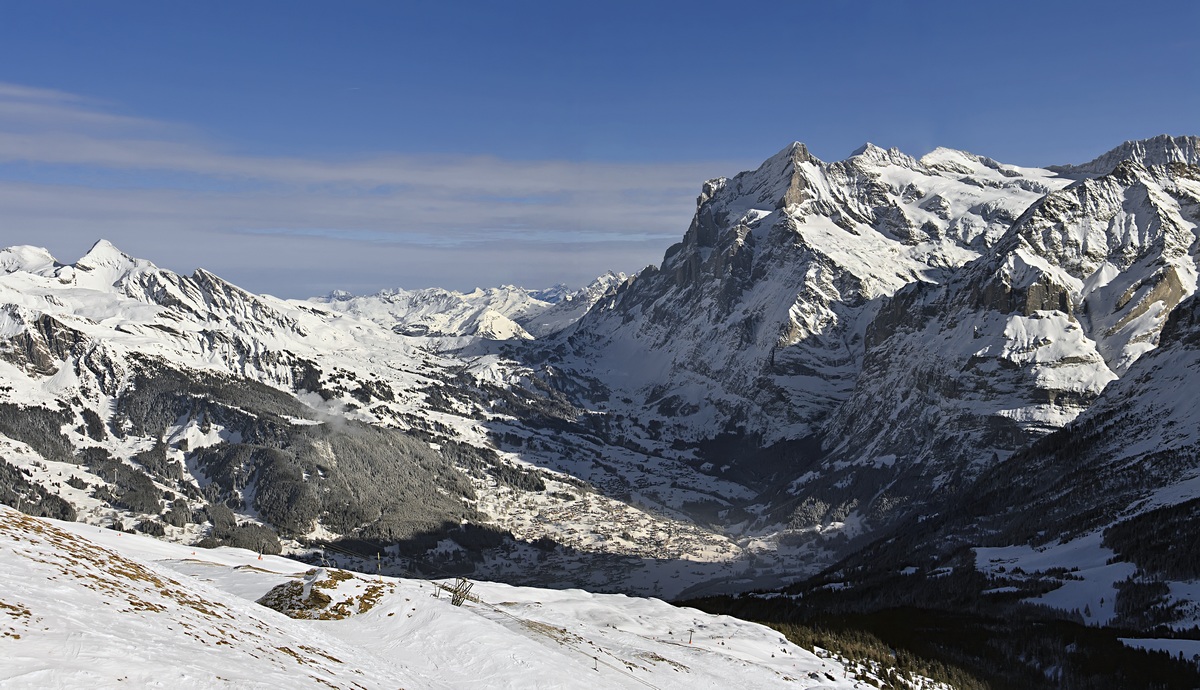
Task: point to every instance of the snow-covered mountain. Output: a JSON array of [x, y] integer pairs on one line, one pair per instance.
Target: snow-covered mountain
[[833, 351], [917, 319], [1017, 343], [757, 318], [443, 314]]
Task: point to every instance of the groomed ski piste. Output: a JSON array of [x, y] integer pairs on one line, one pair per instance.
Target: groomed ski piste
[[88, 607]]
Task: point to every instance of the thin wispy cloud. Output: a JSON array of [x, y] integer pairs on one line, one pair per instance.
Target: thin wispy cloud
[[73, 170], [48, 109]]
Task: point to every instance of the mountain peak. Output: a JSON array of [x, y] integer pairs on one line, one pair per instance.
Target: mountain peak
[[875, 154], [867, 149], [787, 165], [104, 253], [26, 259], [943, 158], [794, 153], [552, 294], [103, 267], [961, 162], [1163, 149]]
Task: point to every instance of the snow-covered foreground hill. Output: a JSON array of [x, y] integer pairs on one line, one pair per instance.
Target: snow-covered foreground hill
[[86, 607]]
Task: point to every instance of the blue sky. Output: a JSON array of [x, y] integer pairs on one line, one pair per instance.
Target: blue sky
[[298, 147]]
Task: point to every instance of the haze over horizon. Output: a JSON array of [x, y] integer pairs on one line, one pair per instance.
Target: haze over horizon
[[299, 148]]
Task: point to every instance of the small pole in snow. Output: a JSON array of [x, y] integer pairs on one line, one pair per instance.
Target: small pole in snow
[[379, 565], [690, 636], [595, 664]]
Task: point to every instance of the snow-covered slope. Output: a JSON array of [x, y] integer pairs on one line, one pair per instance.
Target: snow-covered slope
[[569, 307], [1123, 475], [81, 615], [1097, 520], [84, 607]]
